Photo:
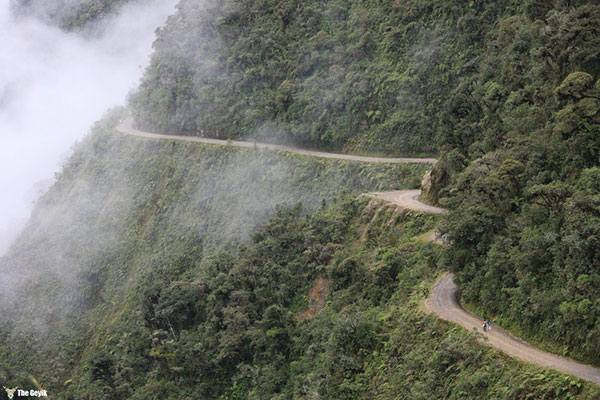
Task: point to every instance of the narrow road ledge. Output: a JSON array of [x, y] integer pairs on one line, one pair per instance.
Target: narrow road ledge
[[408, 199], [443, 301], [128, 128]]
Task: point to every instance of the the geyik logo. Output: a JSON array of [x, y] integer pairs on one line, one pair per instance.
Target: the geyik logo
[[10, 392], [24, 393]]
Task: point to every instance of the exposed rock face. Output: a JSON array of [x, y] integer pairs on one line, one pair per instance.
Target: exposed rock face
[[434, 181], [426, 183]]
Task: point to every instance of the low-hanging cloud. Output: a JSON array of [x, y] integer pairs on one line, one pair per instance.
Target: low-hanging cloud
[[53, 86]]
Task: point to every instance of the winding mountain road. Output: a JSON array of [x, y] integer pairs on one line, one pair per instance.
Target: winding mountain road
[[444, 297], [126, 127], [444, 302]]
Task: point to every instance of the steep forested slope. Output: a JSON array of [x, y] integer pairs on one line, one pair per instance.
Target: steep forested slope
[[361, 75], [525, 226], [141, 282], [124, 207], [507, 91], [136, 277]]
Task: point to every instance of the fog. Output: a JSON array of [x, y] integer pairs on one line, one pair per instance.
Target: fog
[[53, 86]]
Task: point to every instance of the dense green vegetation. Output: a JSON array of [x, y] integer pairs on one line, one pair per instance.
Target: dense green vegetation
[[509, 90], [525, 221], [361, 75], [123, 204], [137, 287], [152, 269]]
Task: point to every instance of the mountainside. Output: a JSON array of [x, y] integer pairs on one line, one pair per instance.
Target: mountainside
[[524, 185], [159, 269], [151, 270], [366, 76], [125, 209], [508, 92]]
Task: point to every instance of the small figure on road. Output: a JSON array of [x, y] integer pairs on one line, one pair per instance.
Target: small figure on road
[[489, 324], [485, 325]]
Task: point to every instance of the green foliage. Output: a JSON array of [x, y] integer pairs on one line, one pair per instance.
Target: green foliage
[[524, 218], [178, 289], [366, 76], [575, 85], [124, 207]]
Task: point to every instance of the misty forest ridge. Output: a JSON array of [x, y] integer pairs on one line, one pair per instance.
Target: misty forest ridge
[[313, 255]]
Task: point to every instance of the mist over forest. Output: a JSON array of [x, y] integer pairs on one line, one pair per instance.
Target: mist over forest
[[139, 264], [54, 84]]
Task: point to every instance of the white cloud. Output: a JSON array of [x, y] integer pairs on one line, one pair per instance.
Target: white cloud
[[53, 86]]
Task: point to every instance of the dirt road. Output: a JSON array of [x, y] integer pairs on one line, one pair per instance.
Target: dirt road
[[408, 199], [127, 128], [444, 302]]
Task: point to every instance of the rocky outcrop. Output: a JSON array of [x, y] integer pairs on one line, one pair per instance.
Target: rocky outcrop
[[434, 181]]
